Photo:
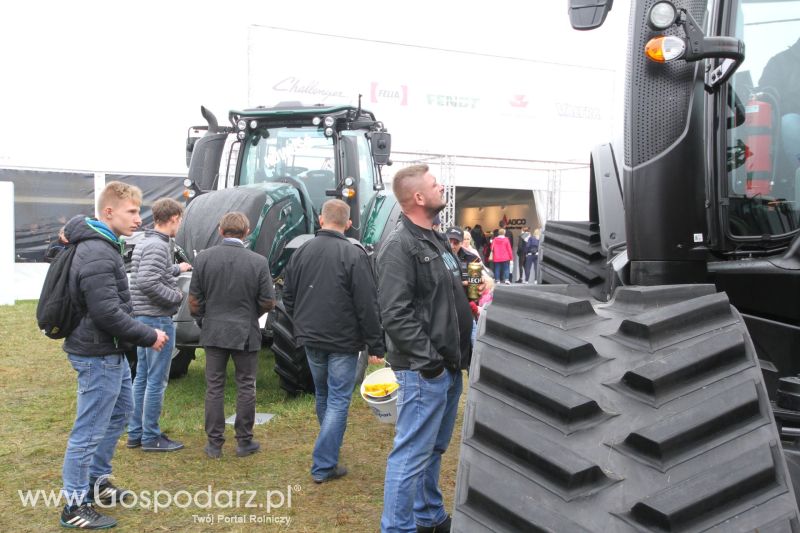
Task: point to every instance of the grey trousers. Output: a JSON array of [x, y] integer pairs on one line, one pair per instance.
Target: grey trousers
[[246, 365]]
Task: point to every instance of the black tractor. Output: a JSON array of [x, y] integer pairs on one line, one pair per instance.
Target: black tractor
[[278, 165], [650, 382]]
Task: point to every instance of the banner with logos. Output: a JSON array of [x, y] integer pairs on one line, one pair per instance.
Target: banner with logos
[[438, 101]]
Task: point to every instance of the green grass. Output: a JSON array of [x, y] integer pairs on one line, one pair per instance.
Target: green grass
[[37, 408]]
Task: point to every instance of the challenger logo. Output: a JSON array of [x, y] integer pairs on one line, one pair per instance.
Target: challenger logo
[[381, 93]]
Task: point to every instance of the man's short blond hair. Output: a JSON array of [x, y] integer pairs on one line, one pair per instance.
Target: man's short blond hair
[[234, 224], [501, 231], [166, 208], [116, 192], [336, 212], [406, 182]]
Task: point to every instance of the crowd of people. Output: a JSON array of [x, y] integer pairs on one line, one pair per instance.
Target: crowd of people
[[410, 310], [496, 249]]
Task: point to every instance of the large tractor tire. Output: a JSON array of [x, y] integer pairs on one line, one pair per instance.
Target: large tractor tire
[[645, 414], [291, 364], [570, 253]]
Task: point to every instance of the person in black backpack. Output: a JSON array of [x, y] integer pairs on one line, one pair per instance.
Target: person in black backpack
[[96, 349], [55, 247]]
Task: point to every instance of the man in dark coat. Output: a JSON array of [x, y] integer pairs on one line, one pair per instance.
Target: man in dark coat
[[329, 292], [96, 350], [231, 288]]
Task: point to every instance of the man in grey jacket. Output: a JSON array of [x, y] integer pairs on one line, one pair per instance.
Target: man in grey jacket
[[155, 296], [231, 287]]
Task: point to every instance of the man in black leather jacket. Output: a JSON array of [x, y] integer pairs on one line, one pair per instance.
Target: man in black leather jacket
[[428, 321]]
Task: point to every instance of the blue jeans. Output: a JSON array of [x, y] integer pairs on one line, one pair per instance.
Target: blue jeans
[[104, 405], [426, 415], [501, 271], [152, 376], [334, 379], [530, 262]]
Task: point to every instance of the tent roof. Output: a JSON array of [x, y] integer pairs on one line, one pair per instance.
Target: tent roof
[[484, 197]]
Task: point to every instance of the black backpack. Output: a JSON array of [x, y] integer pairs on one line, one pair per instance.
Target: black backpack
[[56, 313]]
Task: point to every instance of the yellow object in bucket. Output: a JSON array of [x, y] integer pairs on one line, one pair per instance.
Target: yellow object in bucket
[[379, 390]]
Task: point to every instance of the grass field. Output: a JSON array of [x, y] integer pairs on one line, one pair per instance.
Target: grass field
[[37, 408]]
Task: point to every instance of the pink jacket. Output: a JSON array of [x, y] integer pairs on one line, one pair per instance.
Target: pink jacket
[[501, 249]]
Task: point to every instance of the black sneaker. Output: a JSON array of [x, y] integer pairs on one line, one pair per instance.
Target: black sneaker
[[444, 527], [107, 493], [339, 471], [85, 517], [162, 444], [133, 443]]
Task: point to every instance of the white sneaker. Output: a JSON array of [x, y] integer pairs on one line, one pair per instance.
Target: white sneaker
[[507, 282]]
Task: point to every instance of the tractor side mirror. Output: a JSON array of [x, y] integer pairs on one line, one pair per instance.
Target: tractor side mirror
[[381, 147], [588, 14], [194, 133]]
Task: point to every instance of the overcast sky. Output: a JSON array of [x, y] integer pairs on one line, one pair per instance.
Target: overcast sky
[[114, 86]]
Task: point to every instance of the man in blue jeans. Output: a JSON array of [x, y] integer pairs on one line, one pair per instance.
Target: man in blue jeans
[[155, 295], [329, 292], [96, 350], [428, 324]]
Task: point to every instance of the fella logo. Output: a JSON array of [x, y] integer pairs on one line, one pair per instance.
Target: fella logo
[[381, 93]]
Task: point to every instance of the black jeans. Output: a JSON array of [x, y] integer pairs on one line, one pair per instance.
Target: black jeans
[[246, 365]]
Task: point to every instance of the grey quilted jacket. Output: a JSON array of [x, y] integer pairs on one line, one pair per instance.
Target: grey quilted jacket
[[154, 283]]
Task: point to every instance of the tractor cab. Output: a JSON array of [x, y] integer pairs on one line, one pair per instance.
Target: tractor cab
[[761, 195], [324, 152]]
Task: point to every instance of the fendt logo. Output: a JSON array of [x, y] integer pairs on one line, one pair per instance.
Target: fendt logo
[[381, 93], [519, 100]]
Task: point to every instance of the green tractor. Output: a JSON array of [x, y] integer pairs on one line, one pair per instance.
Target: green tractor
[[278, 165]]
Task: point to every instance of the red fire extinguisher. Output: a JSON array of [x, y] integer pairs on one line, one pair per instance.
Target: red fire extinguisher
[[758, 121]]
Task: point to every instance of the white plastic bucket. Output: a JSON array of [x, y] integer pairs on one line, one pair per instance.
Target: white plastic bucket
[[385, 410]]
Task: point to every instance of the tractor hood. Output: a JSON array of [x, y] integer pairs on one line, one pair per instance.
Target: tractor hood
[[275, 212]]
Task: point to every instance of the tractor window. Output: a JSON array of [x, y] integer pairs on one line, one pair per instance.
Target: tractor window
[[366, 168], [763, 153], [301, 153]]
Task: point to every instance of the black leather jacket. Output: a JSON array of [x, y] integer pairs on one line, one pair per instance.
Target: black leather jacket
[[417, 302]]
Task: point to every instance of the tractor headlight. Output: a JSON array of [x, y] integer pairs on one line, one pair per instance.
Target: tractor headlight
[[662, 15], [253, 124], [241, 135], [328, 132], [187, 183], [329, 121], [316, 121], [241, 125]]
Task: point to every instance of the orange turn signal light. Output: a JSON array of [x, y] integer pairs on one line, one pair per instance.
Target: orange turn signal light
[[664, 48], [348, 192]]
